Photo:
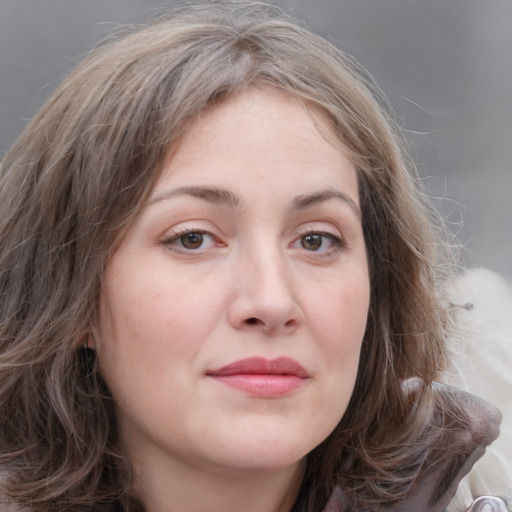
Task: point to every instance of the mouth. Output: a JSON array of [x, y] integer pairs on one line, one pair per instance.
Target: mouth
[[262, 377]]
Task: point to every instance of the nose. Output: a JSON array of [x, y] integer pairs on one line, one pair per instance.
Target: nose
[[265, 297]]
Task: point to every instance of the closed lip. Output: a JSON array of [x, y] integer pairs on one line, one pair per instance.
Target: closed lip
[[261, 366], [261, 377]]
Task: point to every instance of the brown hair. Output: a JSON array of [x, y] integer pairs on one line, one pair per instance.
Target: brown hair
[[82, 169]]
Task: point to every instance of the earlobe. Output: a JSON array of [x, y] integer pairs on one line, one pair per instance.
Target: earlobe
[[89, 343]]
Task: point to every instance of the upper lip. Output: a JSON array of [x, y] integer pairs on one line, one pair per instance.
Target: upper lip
[[263, 366]]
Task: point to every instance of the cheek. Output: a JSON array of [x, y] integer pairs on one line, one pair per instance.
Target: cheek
[[150, 323], [155, 327], [339, 314], [339, 322], [151, 335]]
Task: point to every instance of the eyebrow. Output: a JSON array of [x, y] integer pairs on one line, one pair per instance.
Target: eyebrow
[[226, 198], [307, 201], [211, 194]]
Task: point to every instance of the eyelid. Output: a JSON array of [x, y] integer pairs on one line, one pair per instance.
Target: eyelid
[[175, 234], [327, 228], [337, 242], [335, 239]]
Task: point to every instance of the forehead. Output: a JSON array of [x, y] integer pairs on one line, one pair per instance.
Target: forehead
[[254, 131]]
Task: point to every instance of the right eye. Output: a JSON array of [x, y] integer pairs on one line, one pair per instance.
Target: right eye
[[190, 240]]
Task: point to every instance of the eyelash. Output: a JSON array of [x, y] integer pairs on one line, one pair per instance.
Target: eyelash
[[170, 241], [337, 242]]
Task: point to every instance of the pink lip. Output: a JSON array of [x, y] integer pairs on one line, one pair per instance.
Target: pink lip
[[262, 377]]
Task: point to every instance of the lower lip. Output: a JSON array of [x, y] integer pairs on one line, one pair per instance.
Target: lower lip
[[263, 385]]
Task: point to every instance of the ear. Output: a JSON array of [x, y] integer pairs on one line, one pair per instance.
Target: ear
[[89, 342]]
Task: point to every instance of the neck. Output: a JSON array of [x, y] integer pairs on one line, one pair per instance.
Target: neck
[[185, 489]]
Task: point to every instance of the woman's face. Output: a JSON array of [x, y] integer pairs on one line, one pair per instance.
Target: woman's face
[[234, 309]]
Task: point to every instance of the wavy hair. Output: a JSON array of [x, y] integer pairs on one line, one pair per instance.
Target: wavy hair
[[81, 171]]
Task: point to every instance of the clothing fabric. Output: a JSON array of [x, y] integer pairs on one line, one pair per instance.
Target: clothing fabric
[[437, 485], [481, 364]]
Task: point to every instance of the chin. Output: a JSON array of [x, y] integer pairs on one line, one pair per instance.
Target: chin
[[270, 443], [258, 462], [263, 453]]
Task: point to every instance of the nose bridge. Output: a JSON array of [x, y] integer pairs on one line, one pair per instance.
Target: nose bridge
[[268, 278], [265, 291]]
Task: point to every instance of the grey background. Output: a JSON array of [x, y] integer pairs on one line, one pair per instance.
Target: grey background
[[445, 65]]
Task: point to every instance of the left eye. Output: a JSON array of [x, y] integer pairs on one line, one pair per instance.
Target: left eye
[[319, 242], [191, 240]]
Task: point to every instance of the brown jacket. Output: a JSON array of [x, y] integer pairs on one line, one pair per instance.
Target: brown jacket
[[461, 446]]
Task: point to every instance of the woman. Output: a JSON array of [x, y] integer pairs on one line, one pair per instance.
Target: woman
[[220, 287]]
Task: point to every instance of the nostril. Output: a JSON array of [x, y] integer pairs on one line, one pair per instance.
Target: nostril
[[252, 321]]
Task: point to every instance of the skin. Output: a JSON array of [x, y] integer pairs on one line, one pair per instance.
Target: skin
[[273, 266]]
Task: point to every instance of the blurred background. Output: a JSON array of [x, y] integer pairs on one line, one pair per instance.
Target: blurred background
[[445, 65]]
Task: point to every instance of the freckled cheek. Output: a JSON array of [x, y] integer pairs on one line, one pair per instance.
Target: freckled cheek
[[339, 320], [167, 320]]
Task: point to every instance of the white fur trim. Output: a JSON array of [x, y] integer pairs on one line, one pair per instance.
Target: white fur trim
[[482, 364]]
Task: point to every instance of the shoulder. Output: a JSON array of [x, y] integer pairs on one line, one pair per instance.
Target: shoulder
[[481, 361], [467, 425]]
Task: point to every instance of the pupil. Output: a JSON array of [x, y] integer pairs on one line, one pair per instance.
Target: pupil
[[312, 242], [192, 240]]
